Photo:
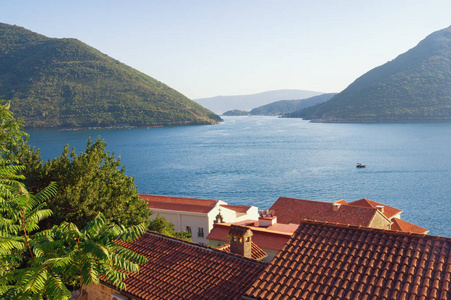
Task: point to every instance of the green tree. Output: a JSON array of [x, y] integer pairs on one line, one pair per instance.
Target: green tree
[[10, 129], [90, 183], [39, 264], [161, 225], [47, 260]]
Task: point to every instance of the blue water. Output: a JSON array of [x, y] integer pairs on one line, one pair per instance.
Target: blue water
[[254, 160]]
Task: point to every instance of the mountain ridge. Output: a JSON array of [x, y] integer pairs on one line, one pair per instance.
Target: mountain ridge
[[415, 86], [220, 104], [66, 83], [282, 107]]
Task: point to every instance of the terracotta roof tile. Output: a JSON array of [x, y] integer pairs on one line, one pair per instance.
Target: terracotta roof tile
[[177, 269], [401, 225], [291, 210], [257, 252], [264, 238], [389, 211], [179, 203], [349, 262], [289, 228]]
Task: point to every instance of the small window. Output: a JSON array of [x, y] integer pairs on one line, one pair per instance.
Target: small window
[[188, 228], [200, 232]]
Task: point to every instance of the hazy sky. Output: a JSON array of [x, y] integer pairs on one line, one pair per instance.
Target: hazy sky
[[210, 48]]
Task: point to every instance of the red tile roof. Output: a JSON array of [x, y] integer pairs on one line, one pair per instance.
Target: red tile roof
[[264, 238], [331, 261], [401, 225], [181, 270], [257, 252], [179, 203], [288, 228], [389, 211], [237, 208], [290, 210]]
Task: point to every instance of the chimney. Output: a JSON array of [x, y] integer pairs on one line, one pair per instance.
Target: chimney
[[336, 206], [241, 240], [267, 218], [380, 208], [267, 221]]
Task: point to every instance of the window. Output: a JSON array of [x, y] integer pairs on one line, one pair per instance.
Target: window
[[188, 228], [200, 232]]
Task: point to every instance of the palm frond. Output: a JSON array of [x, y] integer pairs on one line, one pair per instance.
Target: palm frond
[[132, 233]]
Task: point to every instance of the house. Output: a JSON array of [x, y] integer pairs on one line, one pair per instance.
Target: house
[[241, 243], [177, 269], [362, 212], [274, 229], [197, 215], [393, 214], [335, 261], [269, 237]]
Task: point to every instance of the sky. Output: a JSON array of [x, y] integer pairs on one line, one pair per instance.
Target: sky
[[211, 48]]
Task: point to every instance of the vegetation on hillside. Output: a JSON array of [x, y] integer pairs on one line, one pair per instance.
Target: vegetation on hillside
[[46, 264], [65, 83], [416, 86], [281, 107], [236, 112]]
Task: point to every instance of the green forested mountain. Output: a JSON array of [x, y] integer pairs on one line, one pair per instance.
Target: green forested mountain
[[416, 86], [288, 106], [236, 112], [66, 83]]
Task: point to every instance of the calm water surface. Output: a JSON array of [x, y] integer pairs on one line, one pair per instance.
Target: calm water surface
[[254, 160]]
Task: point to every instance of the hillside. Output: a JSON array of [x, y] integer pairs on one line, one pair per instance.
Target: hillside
[[416, 86], [66, 83], [221, 104], [288, 106]]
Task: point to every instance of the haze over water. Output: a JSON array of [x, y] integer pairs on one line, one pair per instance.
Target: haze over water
[[255, 160]]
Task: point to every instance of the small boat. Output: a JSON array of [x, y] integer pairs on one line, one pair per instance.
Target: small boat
[[359, 165]]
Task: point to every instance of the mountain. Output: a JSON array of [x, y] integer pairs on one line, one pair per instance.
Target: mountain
[[288, 106], [236, 112], [415, 86], [221, 104], [66, 83]]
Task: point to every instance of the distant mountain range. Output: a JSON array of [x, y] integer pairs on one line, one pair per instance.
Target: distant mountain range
[[221, 104], [282, 107], [416, 86], [66, 83]]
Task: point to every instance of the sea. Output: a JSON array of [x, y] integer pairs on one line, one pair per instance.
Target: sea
[[254, 160]]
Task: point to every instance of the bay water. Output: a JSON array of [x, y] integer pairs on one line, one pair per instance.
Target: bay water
[[255, 160]]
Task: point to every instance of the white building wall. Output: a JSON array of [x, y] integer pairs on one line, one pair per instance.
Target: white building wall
[[195, 222], [252, 214], [182, 219]]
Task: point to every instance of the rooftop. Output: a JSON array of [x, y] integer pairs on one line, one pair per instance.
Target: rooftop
[[179, 203], [334, 261], [389, 211], [178, 269], [263, 237], [401, 225], [257, 252], [291, 210]]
